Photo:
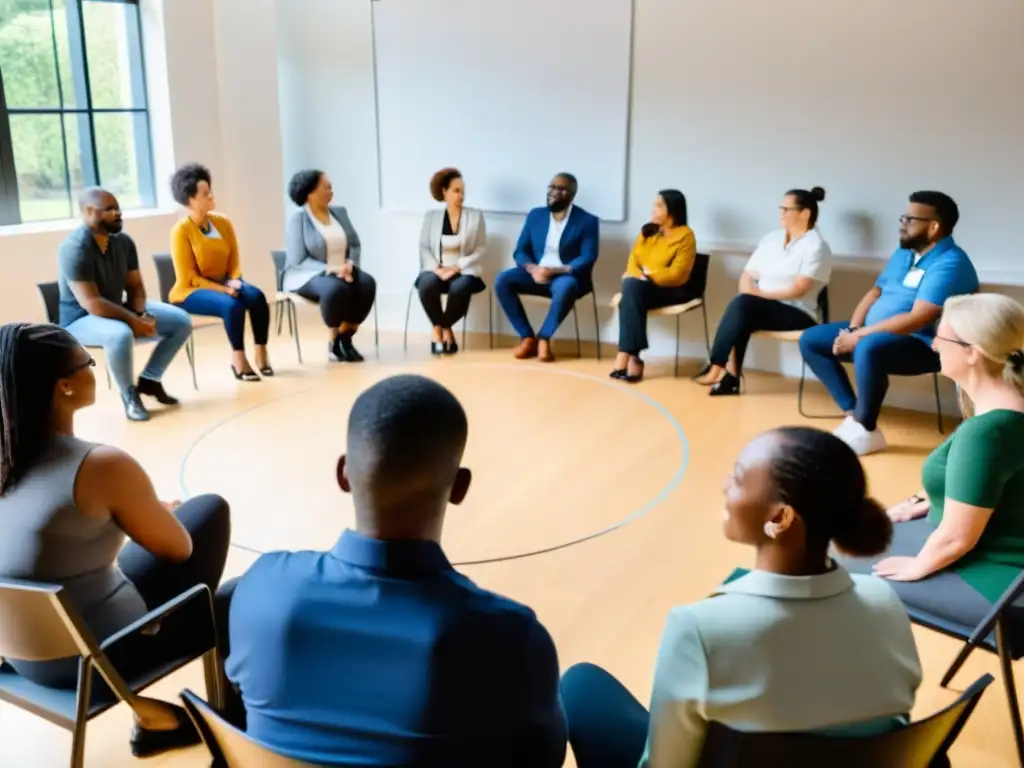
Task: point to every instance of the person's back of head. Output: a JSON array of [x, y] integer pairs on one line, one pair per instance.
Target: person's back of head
[[406, 437]]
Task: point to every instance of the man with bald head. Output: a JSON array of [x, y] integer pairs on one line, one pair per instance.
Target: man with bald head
[[103, 303], [378, 652]]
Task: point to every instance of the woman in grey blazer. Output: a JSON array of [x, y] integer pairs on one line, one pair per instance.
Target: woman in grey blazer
[[451, 243], [323, 252]]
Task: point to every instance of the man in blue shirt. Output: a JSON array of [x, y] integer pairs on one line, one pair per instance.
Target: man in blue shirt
[[378, 652], [892, 328]]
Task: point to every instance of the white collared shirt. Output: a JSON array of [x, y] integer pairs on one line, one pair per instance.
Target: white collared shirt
[[777, 264], [551, 257], [775, 653]]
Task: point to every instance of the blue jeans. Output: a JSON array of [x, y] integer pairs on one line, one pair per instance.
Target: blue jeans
[[173, 327], [607, 725], [232, 309], [875, 358], [563, 291]]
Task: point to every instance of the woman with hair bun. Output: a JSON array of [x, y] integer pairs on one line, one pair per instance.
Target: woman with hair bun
[[452, 241], [770, 649], [959, 543], [779, 289], [322, 251]]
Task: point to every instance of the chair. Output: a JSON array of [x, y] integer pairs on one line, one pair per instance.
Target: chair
[[285, 305], [918, 745], [1001, 632], [50, 293], [699, 279], [165, 278], [229, 746], [823, 317], [465, 320], [38, 623]]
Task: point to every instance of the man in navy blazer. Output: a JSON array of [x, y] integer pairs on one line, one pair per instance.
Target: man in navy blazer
[[555, 258]]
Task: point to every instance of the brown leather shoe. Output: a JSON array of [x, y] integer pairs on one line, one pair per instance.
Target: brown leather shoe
[[544, 353], [527, 348]]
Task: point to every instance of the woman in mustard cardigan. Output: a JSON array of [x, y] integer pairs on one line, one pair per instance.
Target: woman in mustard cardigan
[[656, 276], [209, 276]]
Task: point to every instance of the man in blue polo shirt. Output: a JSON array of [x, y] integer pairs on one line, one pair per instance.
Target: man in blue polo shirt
[[378, 652], [892, 328]]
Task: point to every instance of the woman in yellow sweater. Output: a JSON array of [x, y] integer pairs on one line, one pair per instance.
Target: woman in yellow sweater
[[209, 275], [656, 276]]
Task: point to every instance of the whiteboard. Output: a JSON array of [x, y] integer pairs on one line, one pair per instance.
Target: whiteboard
[[510, 93]]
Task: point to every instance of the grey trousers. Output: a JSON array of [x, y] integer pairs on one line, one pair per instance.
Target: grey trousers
[[944, 594]]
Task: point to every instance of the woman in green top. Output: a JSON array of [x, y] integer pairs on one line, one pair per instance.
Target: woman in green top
[[959, 544]]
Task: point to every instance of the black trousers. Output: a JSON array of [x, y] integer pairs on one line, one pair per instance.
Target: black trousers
[[747, 314], [207, 518], [459, 289], [342, 302], [638, 298]]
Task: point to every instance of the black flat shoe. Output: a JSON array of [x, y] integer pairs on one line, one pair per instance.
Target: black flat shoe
[[334, 353], [727, 385], [146, 743], [155, 389], [267, 371], [618, 373], [245, 376], [451, 348], [348, 351], [437, 347], [634, 378]]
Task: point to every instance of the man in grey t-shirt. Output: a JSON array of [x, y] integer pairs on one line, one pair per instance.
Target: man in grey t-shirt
[[103, 303]]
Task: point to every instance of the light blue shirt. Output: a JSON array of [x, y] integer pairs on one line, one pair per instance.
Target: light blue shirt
[[942, 272]]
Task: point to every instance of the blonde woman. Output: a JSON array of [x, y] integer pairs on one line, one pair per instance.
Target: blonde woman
[[451, 243], [959, 543]]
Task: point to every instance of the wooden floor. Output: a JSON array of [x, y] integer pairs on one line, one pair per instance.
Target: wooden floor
[[596, 503]]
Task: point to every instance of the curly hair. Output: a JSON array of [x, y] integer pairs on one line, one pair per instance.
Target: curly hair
[[185, 181], [302, 185], [441, 180]]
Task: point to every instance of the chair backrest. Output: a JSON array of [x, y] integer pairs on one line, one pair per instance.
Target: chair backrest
[[280, 263], [229, 746], [37, 623], [165, 276], [51, 300], [914, 746], [699, 273], [823, 313]]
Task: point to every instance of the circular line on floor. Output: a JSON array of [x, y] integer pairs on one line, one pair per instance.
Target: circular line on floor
[[658, 498]]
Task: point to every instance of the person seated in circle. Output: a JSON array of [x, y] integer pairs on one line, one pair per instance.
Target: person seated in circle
[[378, 652], [657, 276], [779, 289], [66, 508], [209, 273], [772, 647], [323, 253], [452, 241], [959, 544]]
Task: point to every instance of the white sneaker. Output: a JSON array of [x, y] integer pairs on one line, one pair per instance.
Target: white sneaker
[[863, 442], [847, 426]]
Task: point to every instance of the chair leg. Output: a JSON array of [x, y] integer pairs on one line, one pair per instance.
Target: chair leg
[[293, 322], [408, 309], [278, 316], [800, 390], [938, 404], [958, 662], [106, 370], [1006, 667], [376, 330], [213, 677], [490, 318], [597, 324], [576, 322], [190, 351], [82, 698], [675, 369], [707, 338]]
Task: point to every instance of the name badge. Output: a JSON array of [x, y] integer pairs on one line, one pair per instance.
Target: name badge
[[913, 278]]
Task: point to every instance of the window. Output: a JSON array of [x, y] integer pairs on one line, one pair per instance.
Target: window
[[73, 110]]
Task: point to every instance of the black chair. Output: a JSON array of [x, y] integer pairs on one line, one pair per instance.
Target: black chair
[[923, 744], [1001, 632], [285, 301], [699, 279], [50, 293], [165, 279], [465, 320], [38, 623]]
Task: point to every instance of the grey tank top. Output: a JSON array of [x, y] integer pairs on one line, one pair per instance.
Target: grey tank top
[[45, 537]]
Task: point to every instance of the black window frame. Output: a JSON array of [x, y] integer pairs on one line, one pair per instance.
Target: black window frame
[[80, 105]]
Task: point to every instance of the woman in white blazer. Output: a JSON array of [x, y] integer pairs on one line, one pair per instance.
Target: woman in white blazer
[[796, 644], [451, 243]]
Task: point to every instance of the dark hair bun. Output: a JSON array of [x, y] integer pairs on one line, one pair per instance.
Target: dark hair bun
[[867, 533], [818, 193]]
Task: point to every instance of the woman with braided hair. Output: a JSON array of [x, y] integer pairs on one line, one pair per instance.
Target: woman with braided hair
[[959, 543], [66, 508]]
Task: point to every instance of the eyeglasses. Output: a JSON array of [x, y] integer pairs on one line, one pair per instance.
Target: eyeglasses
[[90, 363], [906, 219], [557, 188], [958, 342]]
